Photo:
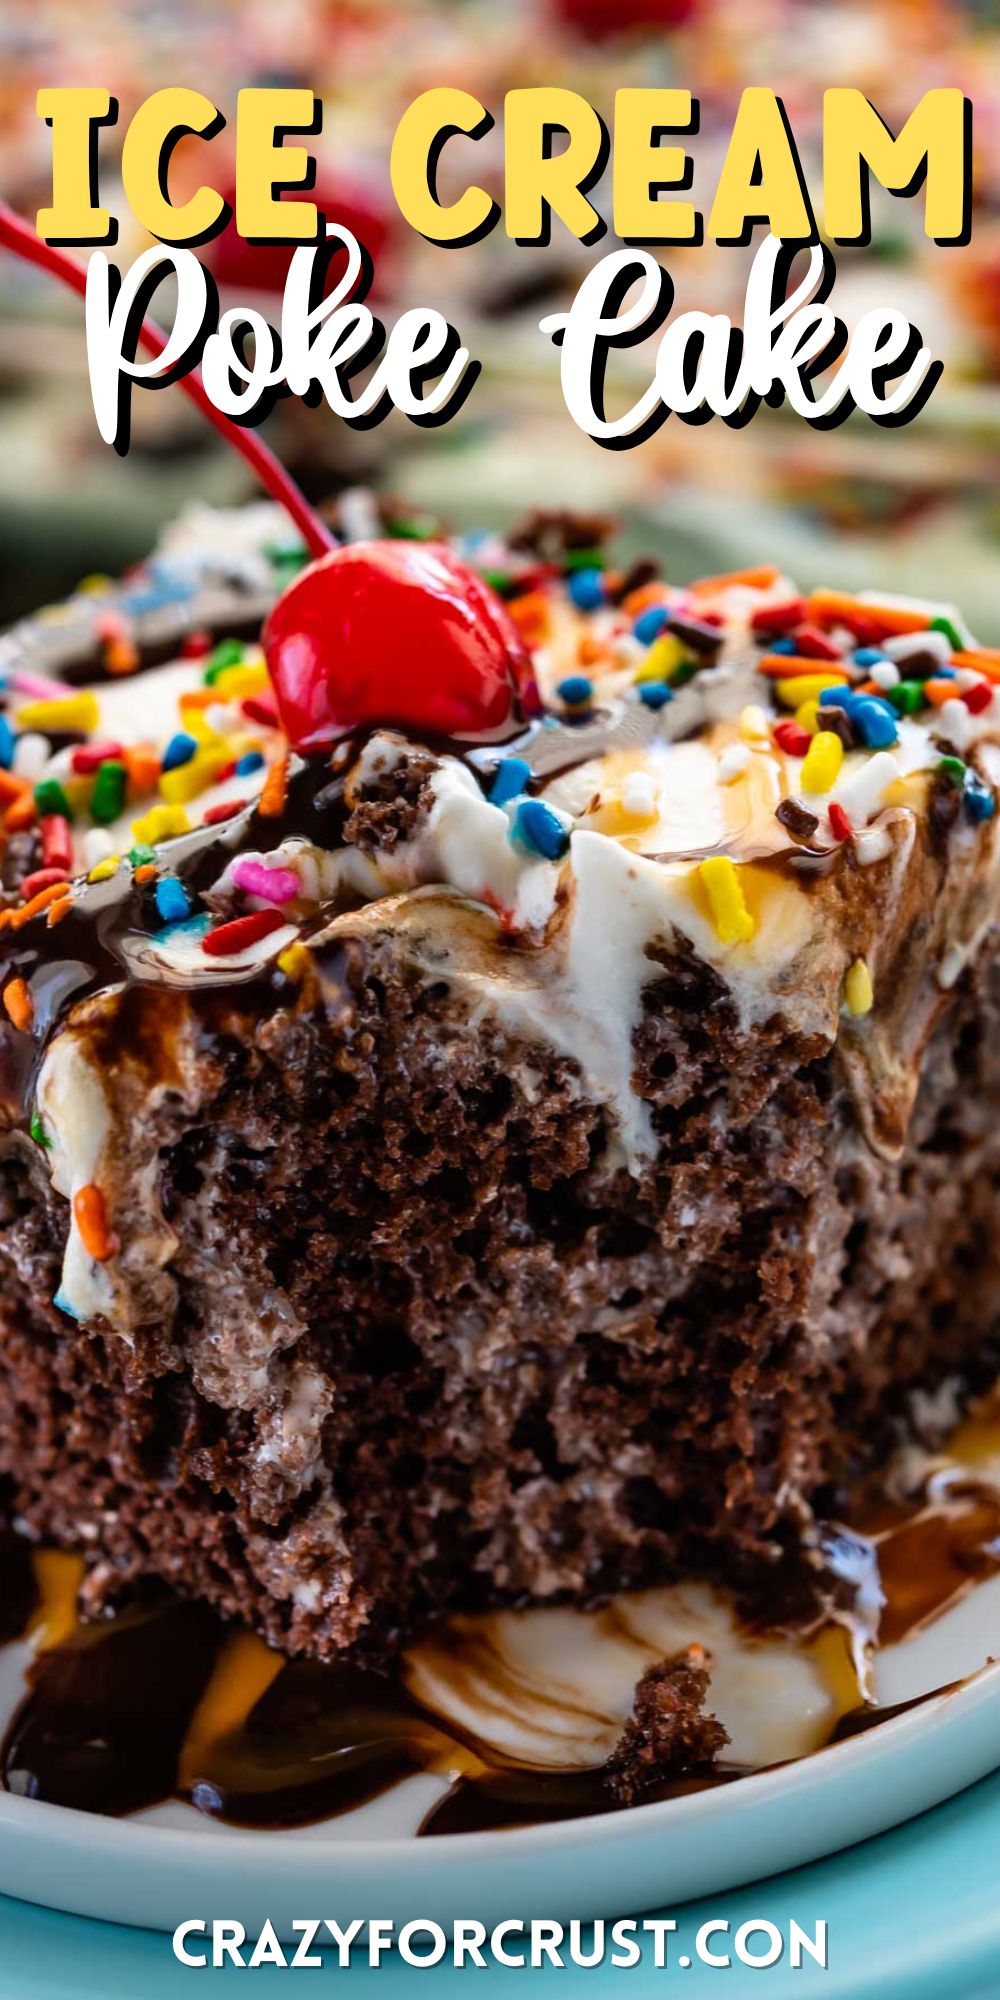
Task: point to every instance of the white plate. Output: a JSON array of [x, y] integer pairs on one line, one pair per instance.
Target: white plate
[[161, 1867]]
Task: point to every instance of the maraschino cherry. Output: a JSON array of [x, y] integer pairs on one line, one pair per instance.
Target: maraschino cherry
[[396, 632]]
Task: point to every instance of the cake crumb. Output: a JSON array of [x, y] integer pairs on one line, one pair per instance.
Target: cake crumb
[[667, 1734]]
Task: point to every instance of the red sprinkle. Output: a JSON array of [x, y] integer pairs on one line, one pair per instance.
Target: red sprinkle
[[977, 697], [90, 756], [840, 825], [243, 931], [260, 708], [57, 844], [196, 645], [792, 738], [779, 617], [216, 814], [814, 645], [43, 878]]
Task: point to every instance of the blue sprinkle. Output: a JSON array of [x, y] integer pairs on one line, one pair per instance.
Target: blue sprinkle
[[575, 690], [7, 741], [875, 721], [180, 750], [510, 779], [868, 656], [586, 588], [649, 624], [782, 646], [655, 694], [841, 697], [978, 798], [64, 1306], [172, 902], [253, 761], [944, 674], [537, 827]]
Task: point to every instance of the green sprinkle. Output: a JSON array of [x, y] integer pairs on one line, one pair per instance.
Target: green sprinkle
[[50, 798], [287, 558], [108, 796], [140, 856], [952, 770], [951, 632], [38, 1132], [584, 559], [228, 653], [907, 697]]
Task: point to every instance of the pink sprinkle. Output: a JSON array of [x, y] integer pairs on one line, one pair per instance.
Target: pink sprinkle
[[37, 687], [273, 885]]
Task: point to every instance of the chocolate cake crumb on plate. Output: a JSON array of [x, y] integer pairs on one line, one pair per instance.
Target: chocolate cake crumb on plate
[[440, 1172], [668, 1735]]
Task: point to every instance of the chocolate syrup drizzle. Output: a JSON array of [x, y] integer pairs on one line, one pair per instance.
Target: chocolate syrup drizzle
[[110, 1720]]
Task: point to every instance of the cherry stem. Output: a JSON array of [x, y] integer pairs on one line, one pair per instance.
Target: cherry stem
[[17, 236]]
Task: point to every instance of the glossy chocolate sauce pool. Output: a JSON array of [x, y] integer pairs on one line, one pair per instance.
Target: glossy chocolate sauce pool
[[164, 1700]]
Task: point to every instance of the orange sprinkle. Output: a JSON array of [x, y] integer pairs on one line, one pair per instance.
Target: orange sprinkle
[[145, 871], [121, 656], [40, 902], [274, 789], [11, 787], [21, 814], [57, 911], [198, 698], [589, 651], [91, 1218], [939, 692], [142, 763], [826, 607], [532, 614], [750, 579], [19, 1004], [644, 598]]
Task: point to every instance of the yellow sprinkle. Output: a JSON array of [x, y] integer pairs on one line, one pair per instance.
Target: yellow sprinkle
[[753, 724], [726, 901], [858, 990], [160, 823], [103, 870], [93, 586], [808, 716], [664, 659], [805, 687], [78, 790], [185, 782], [235, 683], [822, 762], [70, 711], [294, 961]]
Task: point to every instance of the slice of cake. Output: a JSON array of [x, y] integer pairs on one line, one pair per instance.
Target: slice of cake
[[528, 1138]]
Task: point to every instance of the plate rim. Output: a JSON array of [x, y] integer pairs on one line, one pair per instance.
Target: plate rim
[[283, 1844]]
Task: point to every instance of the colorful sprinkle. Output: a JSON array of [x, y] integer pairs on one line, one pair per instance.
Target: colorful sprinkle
[[650, 623], [102, 871], [726, 901], [108, 797], [273, 885], [57, 842], [792, 738], [75, 712], [858, 990], [251, 761], [51, 798], [228, 939], [91, 1218], [978, 798], [19, 1004], [294, 961], [539, 829], [875, 721], [824, 758], [655, 694], [511, 777], [576, 690], [586, 588], [274, 789], [173, 904], [840, 825], [160, 823], [180, 750]]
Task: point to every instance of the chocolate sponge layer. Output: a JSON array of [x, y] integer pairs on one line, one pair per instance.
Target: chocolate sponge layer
[[429, 1348]]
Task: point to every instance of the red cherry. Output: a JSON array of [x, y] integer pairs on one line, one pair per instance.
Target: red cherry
[[396, 632], [600, 19]]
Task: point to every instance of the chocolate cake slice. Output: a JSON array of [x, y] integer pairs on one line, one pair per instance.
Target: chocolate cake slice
[[440, 1171]]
